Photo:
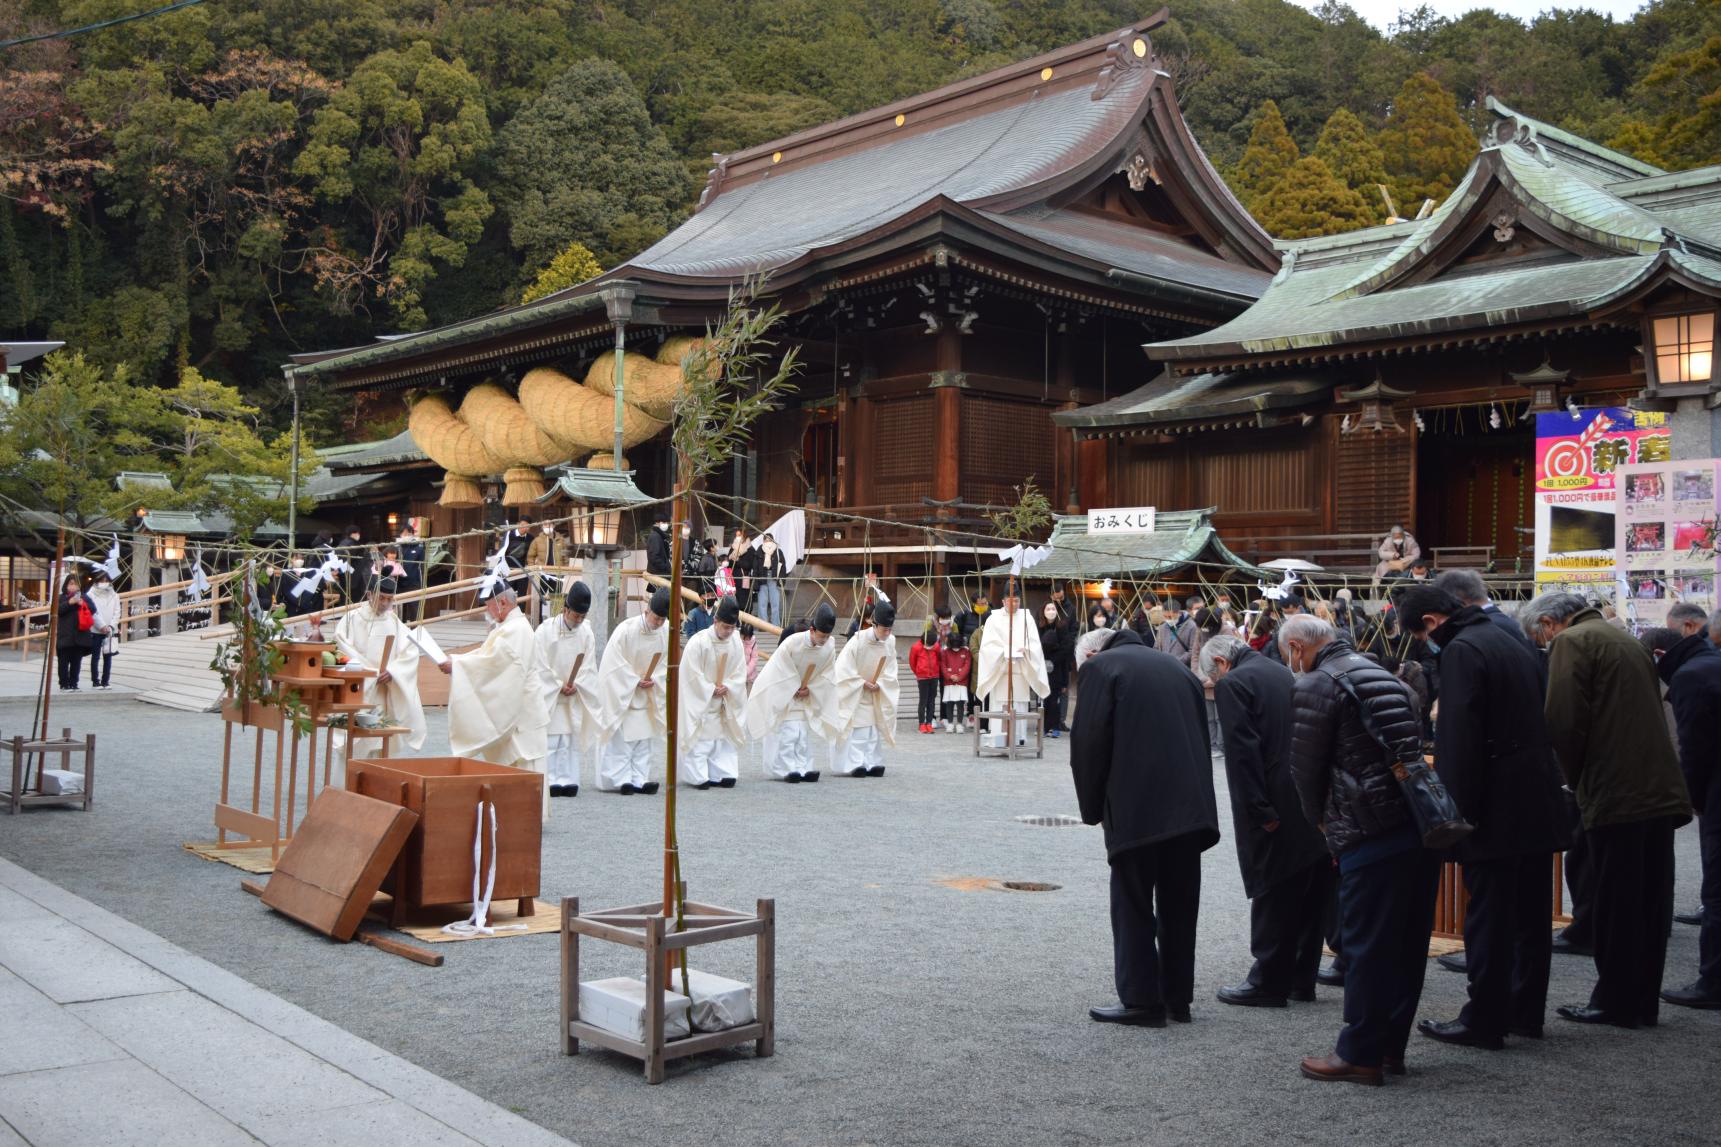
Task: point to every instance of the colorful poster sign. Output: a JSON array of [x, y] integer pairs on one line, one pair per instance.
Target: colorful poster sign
[[1665, 538], [1578, 462]]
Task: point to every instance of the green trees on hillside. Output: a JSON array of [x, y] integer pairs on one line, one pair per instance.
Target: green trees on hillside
[[1425, 145]]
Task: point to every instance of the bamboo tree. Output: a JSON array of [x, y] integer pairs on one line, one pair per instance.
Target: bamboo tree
[[731, 377]]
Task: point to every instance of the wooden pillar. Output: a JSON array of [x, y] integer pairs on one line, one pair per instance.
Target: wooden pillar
[[1092, 468], [859, 450], [947, 415]]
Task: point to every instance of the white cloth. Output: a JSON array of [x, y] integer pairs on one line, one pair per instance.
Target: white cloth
[[788, 749], [1010, 649], [790, 534], [857, 707], [862, 751], [630, 650], [703, 715], [773, 700], [558, 647], [496, 709], [361, 635], [106, 603], [562, 765], [710, 760], [626, 762]]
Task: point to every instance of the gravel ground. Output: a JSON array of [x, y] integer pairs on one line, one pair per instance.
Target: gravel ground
[[913, 1008]]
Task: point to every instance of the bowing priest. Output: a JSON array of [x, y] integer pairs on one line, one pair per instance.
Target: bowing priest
[[630, 724], [374, 637], [713, 702], [568, 675], [1012, 666], [496, 710], [865, 688], [795, 698]]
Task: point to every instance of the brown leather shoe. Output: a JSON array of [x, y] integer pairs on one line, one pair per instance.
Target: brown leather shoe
[[1332, 1069]]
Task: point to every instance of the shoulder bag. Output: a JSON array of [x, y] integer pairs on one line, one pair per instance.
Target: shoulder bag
[[1432, 808]]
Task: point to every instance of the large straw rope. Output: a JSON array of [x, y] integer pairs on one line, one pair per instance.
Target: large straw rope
[[506, 430], [449, 442], [651, 386], [578, 416]]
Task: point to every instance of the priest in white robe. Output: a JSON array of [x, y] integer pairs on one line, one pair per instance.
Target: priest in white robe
[[712, 703], [496, 709], [866, 692], [363, 636], [630, 725], [795, 699], [1012, 667], [568, 676]]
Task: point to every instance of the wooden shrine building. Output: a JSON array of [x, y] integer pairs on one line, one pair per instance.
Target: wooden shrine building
[[1388, 375], [955, 267]]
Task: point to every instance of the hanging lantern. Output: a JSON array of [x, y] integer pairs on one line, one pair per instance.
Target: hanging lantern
[[1375, 406]]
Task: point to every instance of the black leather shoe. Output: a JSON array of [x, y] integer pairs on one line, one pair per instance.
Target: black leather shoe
[[1455, 962], [1692, 996], [1460, 1033], [811, 778], [1587, 1015], [573, 790], [1331, 977], [1149, 1017], [875, 771], [1302, 995], [1249, 996], [1180, 1014], [1526, 1031], [726, 783], [1564, 947], [628, 790], [1694, 919], [857, 772], [649, 788], [793, 778], [703, 785]]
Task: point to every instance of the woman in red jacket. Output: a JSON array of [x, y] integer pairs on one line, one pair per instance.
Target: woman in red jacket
[[955, 664], [923, 660]]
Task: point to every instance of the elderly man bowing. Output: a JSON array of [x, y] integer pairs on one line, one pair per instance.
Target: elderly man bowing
[[713, 702], [631, 722], [795, 696], [364, 635], [1287, 873], [1143, 769], [496, 710], [1012, 669], [568, 676]]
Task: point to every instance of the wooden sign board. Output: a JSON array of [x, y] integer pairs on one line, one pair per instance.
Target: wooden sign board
[[337, 861]]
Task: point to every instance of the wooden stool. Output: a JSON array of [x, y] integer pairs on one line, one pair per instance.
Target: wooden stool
[[20, 795], [1011, 750]]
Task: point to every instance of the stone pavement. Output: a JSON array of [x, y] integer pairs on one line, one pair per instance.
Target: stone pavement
[[115, 1036]]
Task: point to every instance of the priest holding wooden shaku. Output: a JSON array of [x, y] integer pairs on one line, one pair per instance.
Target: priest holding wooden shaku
[[713, 702], [631, 725], [568, 679]]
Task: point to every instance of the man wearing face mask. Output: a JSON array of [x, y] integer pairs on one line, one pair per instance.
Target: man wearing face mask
[[866, 692], [568, 677], [496, 711], [794, 698], [712, 703], [362, 635], [631, 722]]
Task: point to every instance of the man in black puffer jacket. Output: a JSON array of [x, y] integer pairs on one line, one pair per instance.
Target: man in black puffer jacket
[[1344, 743]]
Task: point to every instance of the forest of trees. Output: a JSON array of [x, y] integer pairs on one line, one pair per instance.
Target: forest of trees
[[210, 190]]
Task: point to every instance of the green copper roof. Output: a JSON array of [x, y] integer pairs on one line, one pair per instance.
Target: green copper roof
[[1181, 539]]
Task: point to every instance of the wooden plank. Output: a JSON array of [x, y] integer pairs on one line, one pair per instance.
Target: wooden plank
[[765, 980], [400, 948], [586, 926], [238, 820], [678, 940], [333, 868], [711, 1041], [580, 1030], [570, 994]]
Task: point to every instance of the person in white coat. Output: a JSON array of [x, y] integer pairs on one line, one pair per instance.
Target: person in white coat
[[105, 602], [713, 702], [364, 634], [1012, 666], [866, 691], [496, 711], [795, 699], [568, 675], [630, 711]]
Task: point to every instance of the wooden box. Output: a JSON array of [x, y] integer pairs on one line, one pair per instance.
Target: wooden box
[[436, 865], [303, 658]]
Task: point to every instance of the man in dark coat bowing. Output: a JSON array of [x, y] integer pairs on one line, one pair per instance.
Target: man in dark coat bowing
[[1491, 748], [1143, 769], [1287, 873]]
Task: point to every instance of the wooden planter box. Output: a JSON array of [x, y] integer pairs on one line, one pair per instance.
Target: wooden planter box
[[436, 865]]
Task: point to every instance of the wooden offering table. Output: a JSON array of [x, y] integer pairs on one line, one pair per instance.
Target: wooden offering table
[[1010, 749], [454, 798], [643, 926], [22, 749]]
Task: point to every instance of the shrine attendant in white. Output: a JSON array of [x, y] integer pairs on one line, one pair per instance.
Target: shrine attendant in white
[[795, 699], [363, 635], [568, 676], [630, 711], [1012, 666], [866, 693], [496, 711], [713, 702]]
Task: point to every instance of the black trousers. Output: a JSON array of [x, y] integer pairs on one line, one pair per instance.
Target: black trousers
[[101, 667], [1633, 912], [1054, 715], [955, 710], [1287, 924], [71, 661], [929, 687], [1507, 942], [1709, 938], [1580, 882], [1155, 900], [1387, 910]]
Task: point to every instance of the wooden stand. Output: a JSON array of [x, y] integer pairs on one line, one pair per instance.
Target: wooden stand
[[644, 927], [19, 795], [1454, 899], [1011, 749]]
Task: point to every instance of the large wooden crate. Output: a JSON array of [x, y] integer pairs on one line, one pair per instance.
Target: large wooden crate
[[436, 866]]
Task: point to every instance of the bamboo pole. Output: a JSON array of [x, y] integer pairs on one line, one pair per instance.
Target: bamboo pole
[[53, 628], [671, 701]]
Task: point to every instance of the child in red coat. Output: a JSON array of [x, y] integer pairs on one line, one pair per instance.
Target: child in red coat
[[955, 665], [923, 660]]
